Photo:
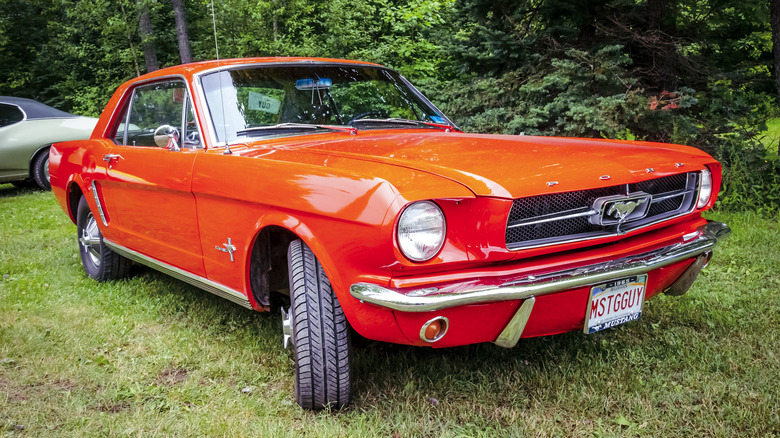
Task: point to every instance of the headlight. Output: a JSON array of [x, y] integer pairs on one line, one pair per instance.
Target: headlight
[[421, 231], [705, 188]]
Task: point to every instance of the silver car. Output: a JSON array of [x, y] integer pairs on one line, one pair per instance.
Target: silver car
[[27, 129]]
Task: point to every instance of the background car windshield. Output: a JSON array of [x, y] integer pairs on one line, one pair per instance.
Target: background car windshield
[[319, 95]]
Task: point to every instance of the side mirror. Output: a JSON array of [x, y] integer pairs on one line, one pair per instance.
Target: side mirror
[[167, 136]]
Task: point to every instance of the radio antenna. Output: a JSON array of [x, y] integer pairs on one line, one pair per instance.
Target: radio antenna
[[221, 97], [214, 22]]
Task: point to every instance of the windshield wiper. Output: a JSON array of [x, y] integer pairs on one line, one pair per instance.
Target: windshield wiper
[[293, 127], [405, 122]]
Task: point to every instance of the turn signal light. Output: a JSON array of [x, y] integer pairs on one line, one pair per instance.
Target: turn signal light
[[434, 329]]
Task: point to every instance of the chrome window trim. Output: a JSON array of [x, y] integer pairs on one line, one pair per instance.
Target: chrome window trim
[[179, 274], [131, 89]]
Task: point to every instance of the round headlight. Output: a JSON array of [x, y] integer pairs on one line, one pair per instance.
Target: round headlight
[[421, 231], [705, 188]]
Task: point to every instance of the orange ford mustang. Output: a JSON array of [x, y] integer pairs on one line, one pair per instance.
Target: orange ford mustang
[[336, 190]]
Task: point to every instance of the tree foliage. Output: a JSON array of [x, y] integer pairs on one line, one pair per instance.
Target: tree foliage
[[696, 72]]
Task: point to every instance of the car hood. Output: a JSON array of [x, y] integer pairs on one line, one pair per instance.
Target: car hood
[[510, 166]]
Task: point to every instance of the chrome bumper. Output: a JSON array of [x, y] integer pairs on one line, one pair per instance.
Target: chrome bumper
[[424, 300]]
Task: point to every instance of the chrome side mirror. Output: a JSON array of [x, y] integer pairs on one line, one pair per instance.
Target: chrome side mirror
[[167, 136]]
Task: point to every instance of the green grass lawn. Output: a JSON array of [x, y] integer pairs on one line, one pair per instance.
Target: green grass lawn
[[151, 356]]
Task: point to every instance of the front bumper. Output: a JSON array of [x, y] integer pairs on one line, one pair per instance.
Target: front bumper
[[693, 245]]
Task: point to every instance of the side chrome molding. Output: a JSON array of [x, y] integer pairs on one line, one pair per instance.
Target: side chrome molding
[[179, 274], [97, 201]]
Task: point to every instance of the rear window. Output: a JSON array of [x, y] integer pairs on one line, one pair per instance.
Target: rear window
[[10, 114]]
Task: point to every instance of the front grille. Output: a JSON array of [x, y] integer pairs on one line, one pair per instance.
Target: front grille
[[563, 217]]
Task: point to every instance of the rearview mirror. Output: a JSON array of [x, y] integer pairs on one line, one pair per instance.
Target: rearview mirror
[[313, 84]]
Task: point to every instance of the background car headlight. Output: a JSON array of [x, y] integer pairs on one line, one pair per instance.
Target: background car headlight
[[705, 188], [421, 231]]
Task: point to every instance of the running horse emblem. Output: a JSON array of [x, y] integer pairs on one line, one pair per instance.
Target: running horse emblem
[[621, 210]]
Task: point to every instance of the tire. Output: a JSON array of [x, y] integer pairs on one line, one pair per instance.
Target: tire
[[40, 170], [98, 260], [320, 334]]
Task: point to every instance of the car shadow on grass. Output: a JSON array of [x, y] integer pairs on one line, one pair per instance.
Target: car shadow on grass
[[8, 190]]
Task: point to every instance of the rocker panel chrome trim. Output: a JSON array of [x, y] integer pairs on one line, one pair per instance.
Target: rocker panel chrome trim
[[179, 274], [430, 299]]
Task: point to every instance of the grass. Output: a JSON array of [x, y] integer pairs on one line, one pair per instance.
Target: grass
[[151, 356]]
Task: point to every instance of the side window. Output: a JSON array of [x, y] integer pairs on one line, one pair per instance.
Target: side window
[[10, 114], [158, 110], [191, 137]]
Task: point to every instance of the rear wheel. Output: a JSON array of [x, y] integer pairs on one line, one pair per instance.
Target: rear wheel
[[98, 260], [40, 170], [320, 334]]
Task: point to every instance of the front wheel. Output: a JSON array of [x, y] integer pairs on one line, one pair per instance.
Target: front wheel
[[97, 258], [320, 334]]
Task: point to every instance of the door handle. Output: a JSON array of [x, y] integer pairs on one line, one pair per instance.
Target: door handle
[[108, 158]]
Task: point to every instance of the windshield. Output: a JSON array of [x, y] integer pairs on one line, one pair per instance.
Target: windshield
[[319, 95]]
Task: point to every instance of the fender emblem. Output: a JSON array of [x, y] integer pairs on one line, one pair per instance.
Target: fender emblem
[[228, 248]]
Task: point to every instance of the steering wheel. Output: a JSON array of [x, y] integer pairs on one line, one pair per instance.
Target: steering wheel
[[367, 113]]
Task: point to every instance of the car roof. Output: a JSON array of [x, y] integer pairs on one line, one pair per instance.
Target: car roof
[[202, 66], [35, 110]]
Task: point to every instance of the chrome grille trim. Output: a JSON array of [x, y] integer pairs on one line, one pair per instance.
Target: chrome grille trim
[[670, 197], [554, 217]]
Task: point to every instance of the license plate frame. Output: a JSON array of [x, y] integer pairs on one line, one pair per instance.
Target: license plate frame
[[616, 302]]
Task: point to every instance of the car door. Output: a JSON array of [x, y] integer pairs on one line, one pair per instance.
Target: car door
[[149, 176]]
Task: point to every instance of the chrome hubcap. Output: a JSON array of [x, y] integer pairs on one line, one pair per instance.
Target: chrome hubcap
[[287, 329], [90, 240], [46, 171]]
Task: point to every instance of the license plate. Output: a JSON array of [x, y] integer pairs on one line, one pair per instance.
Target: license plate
[[614, 303]]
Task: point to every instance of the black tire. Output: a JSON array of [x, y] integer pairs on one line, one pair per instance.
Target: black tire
[[321, 334], [40, 170], [98, 260]]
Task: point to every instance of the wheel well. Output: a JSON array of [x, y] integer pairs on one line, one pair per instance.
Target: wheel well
[[74, 194], [268, 264]]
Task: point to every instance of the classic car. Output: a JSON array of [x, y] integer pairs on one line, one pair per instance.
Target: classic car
[[27, 129], [334, 190]]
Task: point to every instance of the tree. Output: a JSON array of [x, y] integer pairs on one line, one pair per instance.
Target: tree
[[145, 29], [181, 31], [775, 24]]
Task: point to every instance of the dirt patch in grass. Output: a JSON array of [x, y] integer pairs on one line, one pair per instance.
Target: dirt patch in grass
[[13, 392], [19, 393], [171, 376], [113, 408]]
